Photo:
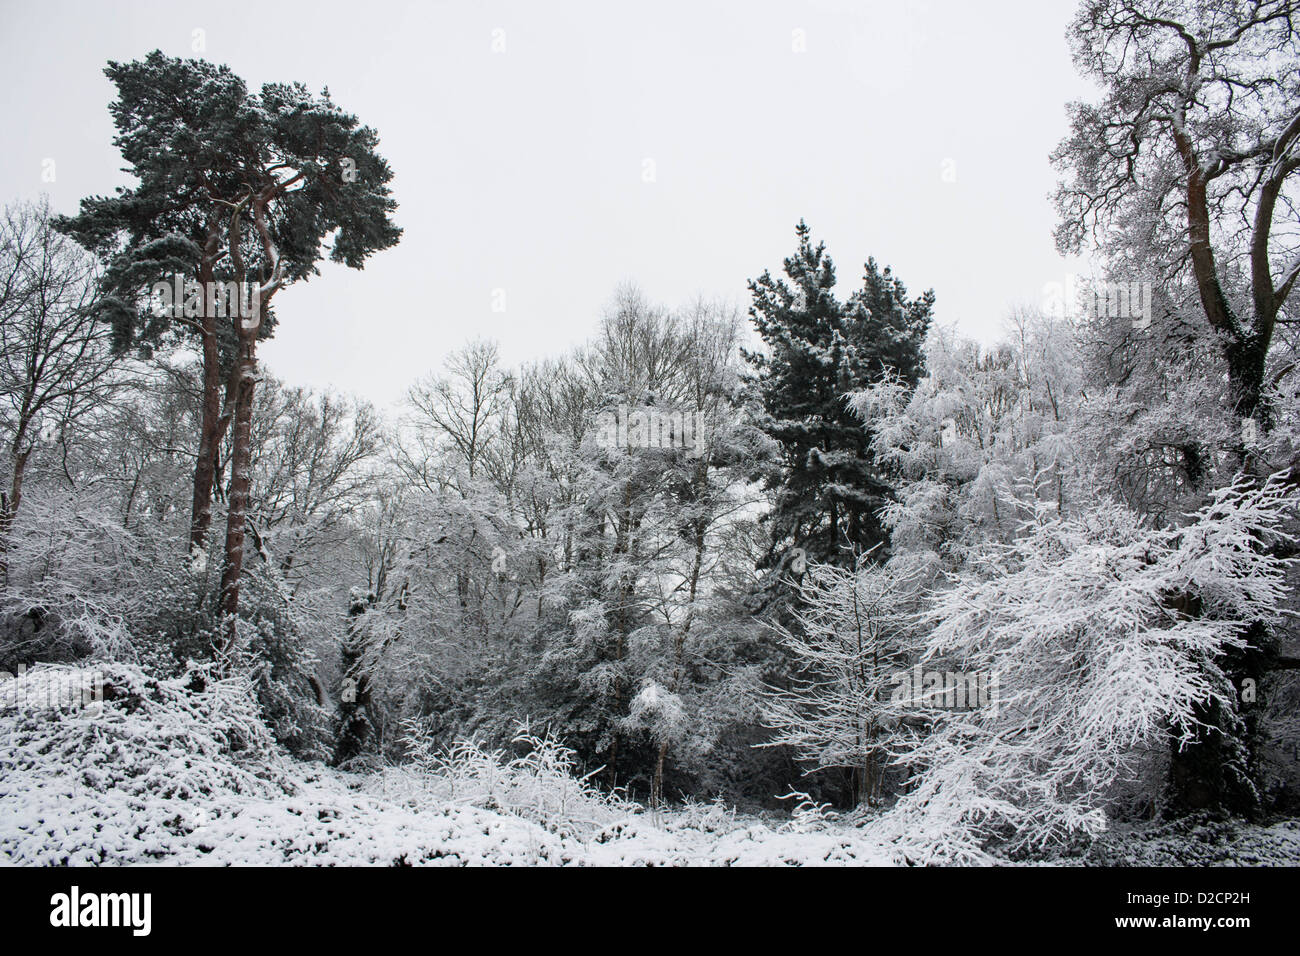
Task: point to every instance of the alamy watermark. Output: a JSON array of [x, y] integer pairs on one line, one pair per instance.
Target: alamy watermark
[[651, 428], [77, 908], [183, 298], [1115, 300], [944, 690], [59, 690]]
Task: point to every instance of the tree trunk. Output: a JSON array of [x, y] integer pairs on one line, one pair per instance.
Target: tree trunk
[[657, 787], [240, 484], [211, 426], [210, 433], [1246, 358], [354, 706], [1215, 770], [9, 503]]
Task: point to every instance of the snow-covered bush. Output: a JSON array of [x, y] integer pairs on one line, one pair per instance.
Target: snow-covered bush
[[118, 779], [274, 650], [712, 817], [540, 785], [806, 814], [81, 586], [180, 737], [183, 771]]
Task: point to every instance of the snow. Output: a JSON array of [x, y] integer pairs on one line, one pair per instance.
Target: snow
[[165, 774], [325, 821]]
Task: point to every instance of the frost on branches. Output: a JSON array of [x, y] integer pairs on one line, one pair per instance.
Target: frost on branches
[[1104, 633], [850, 640]]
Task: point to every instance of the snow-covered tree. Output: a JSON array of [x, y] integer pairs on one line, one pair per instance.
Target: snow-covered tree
[[56, 366], [829, 491], [1104, 633], [980, 442], [852, 639]]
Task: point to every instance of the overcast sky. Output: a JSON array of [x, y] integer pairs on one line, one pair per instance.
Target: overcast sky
[[545, 152]]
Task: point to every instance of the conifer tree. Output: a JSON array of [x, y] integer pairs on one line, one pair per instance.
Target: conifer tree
[[829, 488], [239, 187]]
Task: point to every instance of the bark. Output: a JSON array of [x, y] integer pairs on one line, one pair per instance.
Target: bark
[[1246, 347], [245, 371], [19, 465], [240, 390], [211, 424], [210, 434], [1216, 770], [9, 502]]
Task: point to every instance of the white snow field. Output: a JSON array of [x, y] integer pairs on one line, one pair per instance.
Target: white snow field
[[161, 774]]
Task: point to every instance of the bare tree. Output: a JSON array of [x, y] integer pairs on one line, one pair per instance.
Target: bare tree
[[461, 408], [56, 363], [311, 470], [1190, 158]]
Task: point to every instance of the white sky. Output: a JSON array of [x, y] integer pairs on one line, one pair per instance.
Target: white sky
[[523, 170]]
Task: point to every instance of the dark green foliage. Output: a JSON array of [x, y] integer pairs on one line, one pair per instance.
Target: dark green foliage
[[199, 143], [829, 491], [181, 620]]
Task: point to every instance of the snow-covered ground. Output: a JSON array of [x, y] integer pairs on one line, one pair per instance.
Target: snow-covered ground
[[324, 822], [159, 774]]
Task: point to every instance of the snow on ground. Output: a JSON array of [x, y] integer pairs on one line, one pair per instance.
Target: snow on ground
[[159, 774], [326, 822], [1199, 841]]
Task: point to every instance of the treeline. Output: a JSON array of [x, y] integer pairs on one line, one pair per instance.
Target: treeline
[[491, 553], [707, 559]]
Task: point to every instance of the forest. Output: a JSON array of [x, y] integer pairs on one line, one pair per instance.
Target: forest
[[810, 577]]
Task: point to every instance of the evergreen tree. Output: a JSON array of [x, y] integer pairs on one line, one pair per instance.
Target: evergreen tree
[[253, 189], [176, 122], [830, 489]]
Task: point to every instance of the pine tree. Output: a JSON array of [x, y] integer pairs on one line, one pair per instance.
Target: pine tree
[[830, 489], [249, 188]]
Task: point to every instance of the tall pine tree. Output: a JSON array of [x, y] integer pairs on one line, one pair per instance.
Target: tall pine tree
[[249, 188], [829, 490]]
